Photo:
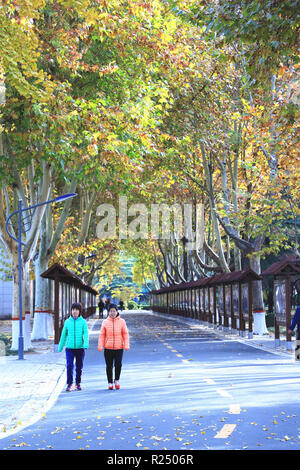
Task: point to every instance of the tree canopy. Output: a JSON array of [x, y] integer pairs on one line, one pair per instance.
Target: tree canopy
[[161, 101]]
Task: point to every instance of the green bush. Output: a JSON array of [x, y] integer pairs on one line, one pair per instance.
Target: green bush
[[132, 305], [6, 340]]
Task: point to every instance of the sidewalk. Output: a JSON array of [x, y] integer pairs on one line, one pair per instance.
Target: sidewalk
[[31, 386]]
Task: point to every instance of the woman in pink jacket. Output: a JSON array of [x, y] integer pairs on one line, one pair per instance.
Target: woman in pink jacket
[[114, 338]]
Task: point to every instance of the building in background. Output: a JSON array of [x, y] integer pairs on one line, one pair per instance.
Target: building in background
[[6, 288]]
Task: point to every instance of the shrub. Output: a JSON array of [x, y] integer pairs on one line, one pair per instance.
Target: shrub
[[6, 340], [132, 305]]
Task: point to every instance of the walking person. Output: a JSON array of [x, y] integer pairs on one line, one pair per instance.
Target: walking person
[[101, 308], [296, 321], [114, 338], [75, 337]]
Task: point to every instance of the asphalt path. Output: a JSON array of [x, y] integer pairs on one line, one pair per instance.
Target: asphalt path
[[183, 387]]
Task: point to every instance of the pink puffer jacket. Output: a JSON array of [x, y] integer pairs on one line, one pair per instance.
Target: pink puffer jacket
[[113, 334]]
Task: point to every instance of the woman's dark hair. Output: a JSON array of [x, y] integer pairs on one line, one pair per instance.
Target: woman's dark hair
[[77, 306], [112, 306]]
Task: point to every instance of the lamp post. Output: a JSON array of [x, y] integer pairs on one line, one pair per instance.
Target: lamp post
[[27, 226]]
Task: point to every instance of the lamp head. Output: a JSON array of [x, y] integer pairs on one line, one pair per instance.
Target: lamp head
[[64, 197]]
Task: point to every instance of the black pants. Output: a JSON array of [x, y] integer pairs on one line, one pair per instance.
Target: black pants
[[113, 357], [78, 355]]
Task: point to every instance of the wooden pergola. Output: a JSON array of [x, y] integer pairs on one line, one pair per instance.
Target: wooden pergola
[[214, 299], [284, 273], [68, 288], [235, 300]]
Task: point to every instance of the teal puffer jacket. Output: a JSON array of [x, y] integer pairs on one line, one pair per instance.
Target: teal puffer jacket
[[75, 334]]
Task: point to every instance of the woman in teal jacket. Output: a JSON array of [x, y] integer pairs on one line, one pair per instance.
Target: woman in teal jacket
[[75, 337]]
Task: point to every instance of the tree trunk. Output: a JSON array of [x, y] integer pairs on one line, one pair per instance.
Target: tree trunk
[[15, 306], [27, 298], [43, 322], [258, 308]]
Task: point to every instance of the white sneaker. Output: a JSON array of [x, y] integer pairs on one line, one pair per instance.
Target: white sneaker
[[117, 385], [110, 387]]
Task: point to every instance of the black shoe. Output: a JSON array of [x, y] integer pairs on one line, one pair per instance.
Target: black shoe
[[77, 387]]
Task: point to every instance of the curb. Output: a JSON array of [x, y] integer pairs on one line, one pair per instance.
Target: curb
[[25, 410], [27, 416]]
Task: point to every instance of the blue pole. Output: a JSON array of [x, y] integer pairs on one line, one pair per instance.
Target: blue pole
[[21, 339], [20, 243]]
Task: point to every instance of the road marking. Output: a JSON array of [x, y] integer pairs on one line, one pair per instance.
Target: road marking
[[234, 409], [210, 381], [179, 355], [223, 393], [173, 350], [225, 432]]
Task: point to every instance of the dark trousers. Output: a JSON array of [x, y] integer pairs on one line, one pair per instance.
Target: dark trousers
[[113, 357], [78, 355]]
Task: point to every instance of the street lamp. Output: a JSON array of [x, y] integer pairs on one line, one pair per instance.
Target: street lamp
[[27, 221]]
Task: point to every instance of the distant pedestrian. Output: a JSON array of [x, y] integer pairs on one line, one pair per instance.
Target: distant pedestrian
[[295, 321], [121, 305], [75, 337], [114, 338], [101, 308]]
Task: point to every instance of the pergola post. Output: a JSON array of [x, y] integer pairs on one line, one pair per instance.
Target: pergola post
[[250, 303], [56, 313], [288, 311], [282, 272]]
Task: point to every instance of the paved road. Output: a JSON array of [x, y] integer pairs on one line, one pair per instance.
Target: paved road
[[182, 388]]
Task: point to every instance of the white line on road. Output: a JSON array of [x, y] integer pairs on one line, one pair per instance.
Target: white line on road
[[234, 409], [210, 381], [225, 432], [223, 393]]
